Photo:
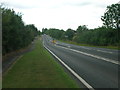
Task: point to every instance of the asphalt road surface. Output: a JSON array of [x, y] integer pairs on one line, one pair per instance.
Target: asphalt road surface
[[97, 66]]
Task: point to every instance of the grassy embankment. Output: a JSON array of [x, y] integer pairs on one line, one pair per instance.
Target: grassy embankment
[[109, 47], [37, 69]]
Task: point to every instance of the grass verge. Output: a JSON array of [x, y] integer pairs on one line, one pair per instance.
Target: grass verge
[[109, 47], [37, 69]]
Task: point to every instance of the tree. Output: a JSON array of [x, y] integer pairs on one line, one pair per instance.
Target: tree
[[111, 16], [55, 33], [44, 30], [15, 34], [81, 28], [69, 34]]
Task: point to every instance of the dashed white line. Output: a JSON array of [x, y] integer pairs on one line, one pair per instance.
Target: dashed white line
[[104, 51], [85, 48], [95, 56], [91, 49]]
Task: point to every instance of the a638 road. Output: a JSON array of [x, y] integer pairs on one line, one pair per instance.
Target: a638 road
[[97, 66]]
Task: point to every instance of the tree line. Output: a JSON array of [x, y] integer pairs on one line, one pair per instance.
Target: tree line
[[15, 34], [106, 35]]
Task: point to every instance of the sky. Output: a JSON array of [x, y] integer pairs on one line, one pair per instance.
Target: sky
[[61, 14]]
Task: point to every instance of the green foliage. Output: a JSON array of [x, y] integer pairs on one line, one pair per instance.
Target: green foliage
[[39, 32], [55, 33], [81, 29], [44, 30], [111, 17], [69, 34], [100, 36], [59, 34], [15, 34]]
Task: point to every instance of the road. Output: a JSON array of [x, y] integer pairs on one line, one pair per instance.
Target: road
[[97, 66]]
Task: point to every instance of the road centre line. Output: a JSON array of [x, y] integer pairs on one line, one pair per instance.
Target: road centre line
[[104, 51], [72, 71], [91, 49], [95, 56]]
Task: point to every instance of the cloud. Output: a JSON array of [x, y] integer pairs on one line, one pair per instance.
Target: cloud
[[13, 5], [22, 4], [61, 14]]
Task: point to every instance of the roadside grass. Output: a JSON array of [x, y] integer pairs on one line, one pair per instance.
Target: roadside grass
[[109, 47], [37, 69]]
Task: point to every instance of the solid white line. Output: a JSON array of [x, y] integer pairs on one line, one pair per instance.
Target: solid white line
[[95, 56], [72, 71]]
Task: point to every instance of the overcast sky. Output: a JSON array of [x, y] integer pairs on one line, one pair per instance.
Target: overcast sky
[[61, 14]]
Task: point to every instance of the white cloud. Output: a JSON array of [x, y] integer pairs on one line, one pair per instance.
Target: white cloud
[[62, 14]]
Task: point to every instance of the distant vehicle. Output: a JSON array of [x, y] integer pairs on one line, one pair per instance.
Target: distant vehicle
[[54, 41]]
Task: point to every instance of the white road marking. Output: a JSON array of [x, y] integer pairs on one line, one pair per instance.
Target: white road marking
[[92, 49], [104, 51], [72, 71], [85, 48], [68, 46], [95, 56]]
